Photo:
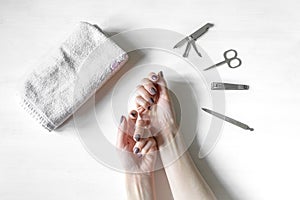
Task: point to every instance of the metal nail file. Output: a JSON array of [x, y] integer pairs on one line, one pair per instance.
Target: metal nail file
[[228, 119], [228, 86]]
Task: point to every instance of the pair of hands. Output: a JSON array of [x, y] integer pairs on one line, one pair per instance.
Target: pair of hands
[[151, 126], [143, 130]]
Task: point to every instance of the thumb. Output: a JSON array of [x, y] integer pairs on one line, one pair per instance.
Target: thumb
[[162, 85]]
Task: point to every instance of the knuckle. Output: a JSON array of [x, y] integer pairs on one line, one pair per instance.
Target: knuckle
[[145, 80], [138, 87], [137, 98]]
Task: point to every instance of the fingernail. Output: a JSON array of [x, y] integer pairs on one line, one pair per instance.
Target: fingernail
[[161, 74], [122, 119], [151, 100], [133, 114], [140, 155], [136, 150], [153, 90], [137, 137], [154, 77]]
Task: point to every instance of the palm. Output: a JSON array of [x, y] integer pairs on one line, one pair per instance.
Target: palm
[[132, 162], [161, 115]]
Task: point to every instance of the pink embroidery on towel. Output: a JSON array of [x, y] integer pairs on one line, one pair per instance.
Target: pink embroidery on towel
[[114, 65]]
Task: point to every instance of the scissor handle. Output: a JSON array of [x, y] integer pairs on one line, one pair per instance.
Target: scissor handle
[[232, 59], [239, 62], [228, 51]]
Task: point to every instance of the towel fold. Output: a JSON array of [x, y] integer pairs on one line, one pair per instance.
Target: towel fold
[[64, 80]]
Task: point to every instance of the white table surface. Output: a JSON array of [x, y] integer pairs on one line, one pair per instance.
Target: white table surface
[[35, 164]]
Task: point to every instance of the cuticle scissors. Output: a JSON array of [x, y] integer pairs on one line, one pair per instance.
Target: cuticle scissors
[[228, 60]]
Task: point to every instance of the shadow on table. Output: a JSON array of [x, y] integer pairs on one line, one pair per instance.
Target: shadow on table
[[205, 168]]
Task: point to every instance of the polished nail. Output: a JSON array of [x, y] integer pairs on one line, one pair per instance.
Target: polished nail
[[140, 155], [154, 77], [137, 137], [133, 114], [121, 120], [136, 150], [151, 100], [161, 74], [153, 90]]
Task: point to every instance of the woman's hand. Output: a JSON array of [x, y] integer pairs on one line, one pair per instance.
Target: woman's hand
[[184, 178], [136, 156], [138, 159], [154, 106]]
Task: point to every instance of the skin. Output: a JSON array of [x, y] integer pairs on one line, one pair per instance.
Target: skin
[[139, 164], [157, 122]]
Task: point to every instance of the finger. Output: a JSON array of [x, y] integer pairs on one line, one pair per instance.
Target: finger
[[140, 109], [153, 77], [121, 138], [149, 86], [162, 85], [141, 102], [138, 146], [132, 117], [145, 94], [139, 130], [149, 146], [133, 114], [145, 116]]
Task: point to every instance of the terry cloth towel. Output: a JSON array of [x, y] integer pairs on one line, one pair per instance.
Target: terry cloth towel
[[64, 80]]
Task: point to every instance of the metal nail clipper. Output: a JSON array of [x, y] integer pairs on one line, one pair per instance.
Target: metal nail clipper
[[228, 86]]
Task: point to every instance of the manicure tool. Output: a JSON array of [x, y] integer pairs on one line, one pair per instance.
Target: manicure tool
[[229, 60], [228, 86], [192, 38], [228, 119]]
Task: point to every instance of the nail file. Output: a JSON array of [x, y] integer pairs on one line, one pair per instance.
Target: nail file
[[228, 119]]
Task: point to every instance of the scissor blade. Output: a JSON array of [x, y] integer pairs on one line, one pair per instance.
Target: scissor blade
[[187, 50], [182, 42], [228, 119], [195, 47], [201, 31], [210, 68]]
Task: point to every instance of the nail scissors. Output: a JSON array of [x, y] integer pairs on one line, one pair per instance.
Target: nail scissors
[[230, 60], [192, 38]]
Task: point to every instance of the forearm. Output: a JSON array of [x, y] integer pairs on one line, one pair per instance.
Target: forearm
[[184, 178], [140, 186]]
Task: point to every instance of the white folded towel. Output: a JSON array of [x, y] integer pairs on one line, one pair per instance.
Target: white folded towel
[[58, 86]]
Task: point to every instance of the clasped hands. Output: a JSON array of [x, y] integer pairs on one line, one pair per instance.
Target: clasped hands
[[149, 128], [146, 128]]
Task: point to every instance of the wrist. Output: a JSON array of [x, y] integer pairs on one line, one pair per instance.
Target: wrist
[[138, 177], [167, 135], [172, 145], [140, 186]]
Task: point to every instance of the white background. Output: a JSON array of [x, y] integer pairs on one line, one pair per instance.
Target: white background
[[260, 165]]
